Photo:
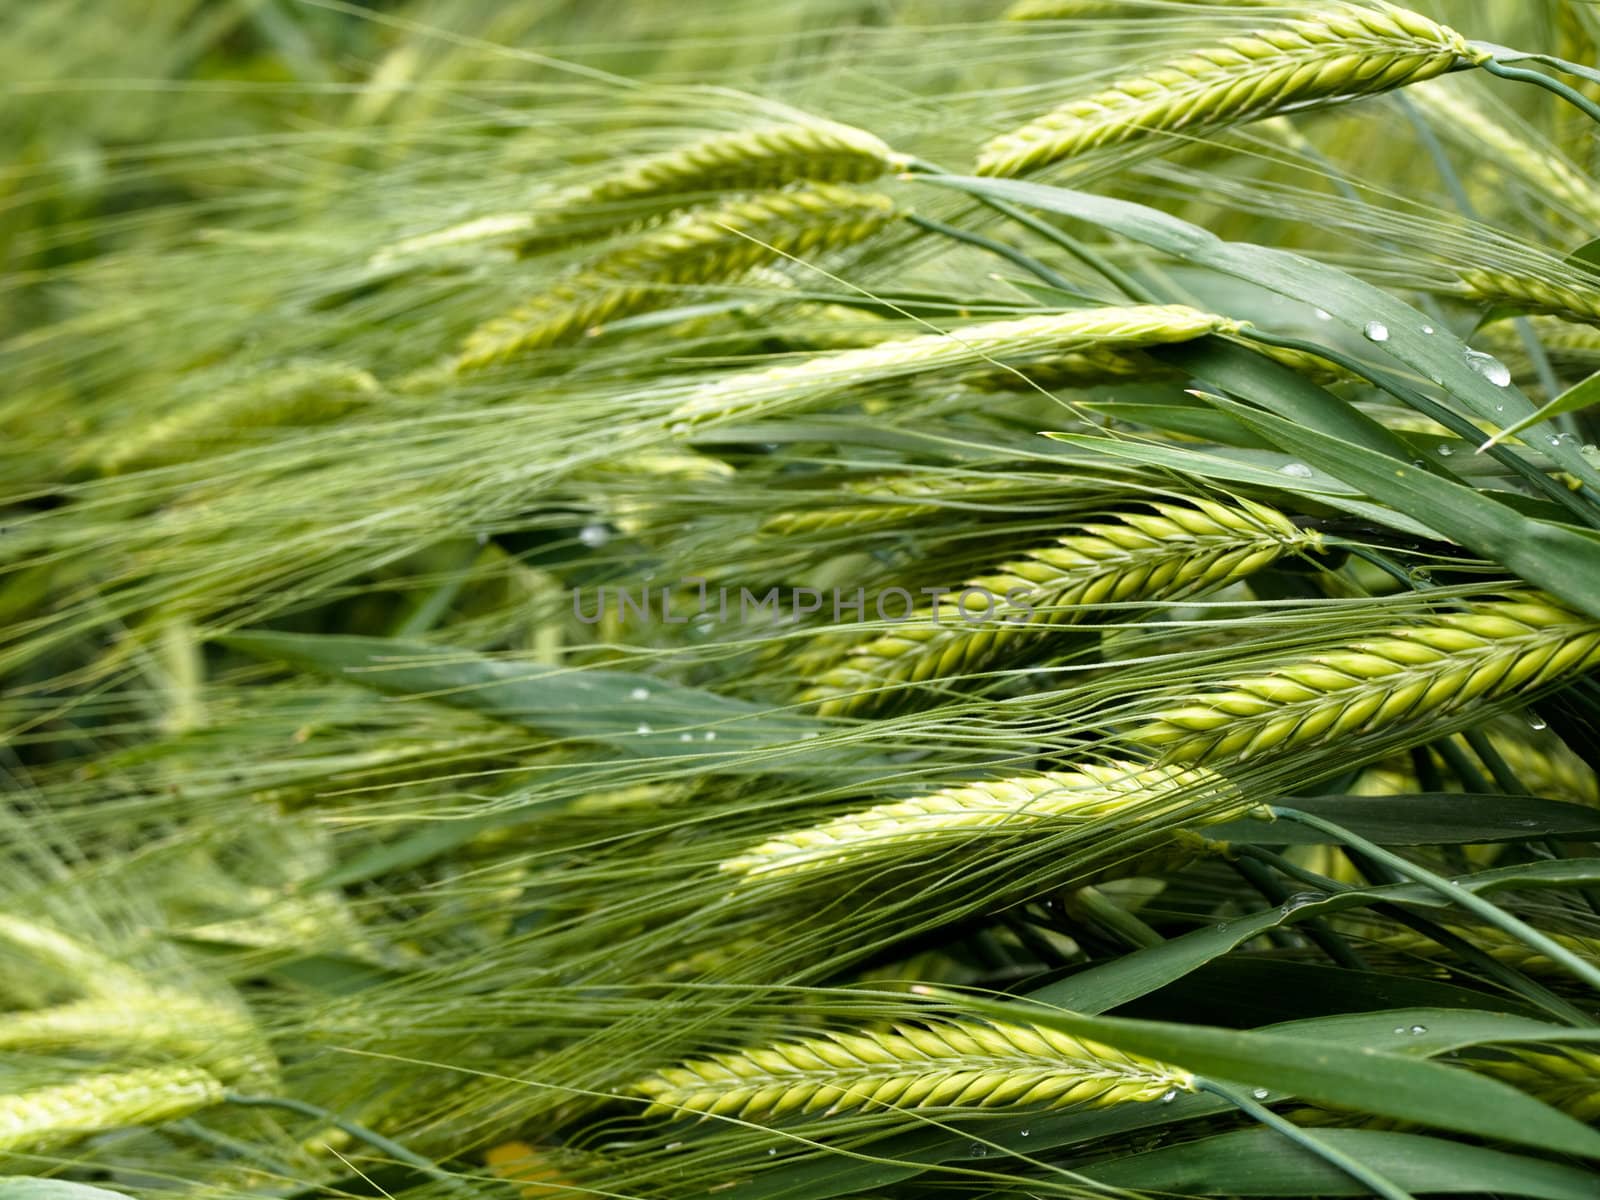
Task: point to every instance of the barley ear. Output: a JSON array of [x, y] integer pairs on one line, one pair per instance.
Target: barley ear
[[47, 1117], [1519, 292], [1052, 800], [701, 247], [937, 1064], [1406, 675], [1347, 50]]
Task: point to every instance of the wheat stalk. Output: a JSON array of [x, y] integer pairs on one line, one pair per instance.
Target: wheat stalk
[[766, 157], [46, 1117], [1576, 304], [1089, 792], [1408, 674], [1348, 50], [939, 1064], [1177, 550], [1017, 341], [702, 246]]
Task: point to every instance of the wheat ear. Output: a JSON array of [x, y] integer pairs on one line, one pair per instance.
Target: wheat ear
[[1568, 1079], [1111, 328], [1089, 792], [702, 246], [1405, 675], [1496, 943], [1577, 304], [70, 967], [304, 393], [766, 157], [940, 1064], [147, 1024], [1177, 550], [52, 1116], [1348, 50]]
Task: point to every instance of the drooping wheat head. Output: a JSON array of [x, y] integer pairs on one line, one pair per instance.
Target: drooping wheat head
[[1347, 50], [1178, 550], [1429, 668], [937, 1064], [1523, 293], [704, 246], [1567, 1078], [1009, 342], [46, 1117], [1053, 799], [766, 157]]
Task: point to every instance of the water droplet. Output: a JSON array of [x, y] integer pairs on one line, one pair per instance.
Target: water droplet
[[771, 1150], [1591, 454], [1417, 1030], [594, 535], [1024, 1132], [681, 428], [686, 737], [1427, 329], [1554, 439], [643, 728], [1302, 898], [673, 1146], [1444, 451], [1376, 331], [711, 735], [1490, 367], [1537, 723], [979, 1150], [1297, 470], [1260, 1093], [1324, 315], [639, 693], [1499, 408], [809, 734], [1417, 462], [1168, 1096]]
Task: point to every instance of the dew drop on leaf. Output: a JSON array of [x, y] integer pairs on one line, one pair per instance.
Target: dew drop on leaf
[[639, 693], [1297, 470], [1445, 451], [643, 728], [1490, 367], [1260, 1093], [1538, 723], [1417, 1030], [1376, 331], [594, 535]]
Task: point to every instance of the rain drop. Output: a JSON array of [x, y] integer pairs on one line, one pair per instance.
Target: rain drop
[[639, 693], [1417, 462], [1417, 1030], [643, 728], [1023, 1132], [1537, 723], [1399, 1028], [979, 1150], [1324, 315], [594, 535], [686, 737], [1490, 367], [711, 735], [1296, 469], [1376, 331], [1591, 455], [1427, 329], [1445, 451], [1168, 1096], [771, 1150], [1555, 439], [1260, 1093], [681, 428]]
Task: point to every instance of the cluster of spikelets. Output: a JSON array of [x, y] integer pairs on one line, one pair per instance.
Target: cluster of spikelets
[[939, 1064], [1024, 803], [1112, 328], [1175, 551], [1430, 668], [1346, 50], [1523, 293], [188, 1049], [699, 247]]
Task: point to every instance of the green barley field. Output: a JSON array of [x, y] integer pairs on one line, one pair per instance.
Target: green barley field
[[793, 599]]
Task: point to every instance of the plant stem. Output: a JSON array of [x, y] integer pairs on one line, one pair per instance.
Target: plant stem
[[1468, 900], [1522, 75]]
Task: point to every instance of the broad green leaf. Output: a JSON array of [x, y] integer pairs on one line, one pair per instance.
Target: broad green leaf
[[1562, 559], [1326, 1071], [1262, 1162], [1401, 330], [1143, 971], [639, 715], [1424, 819], [1576, 398]]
